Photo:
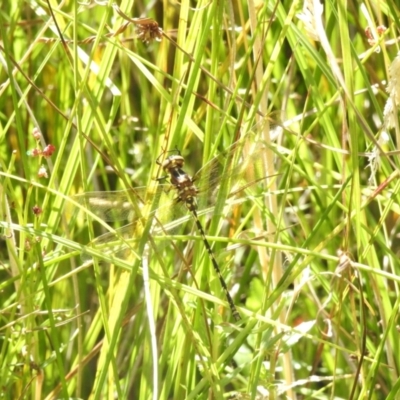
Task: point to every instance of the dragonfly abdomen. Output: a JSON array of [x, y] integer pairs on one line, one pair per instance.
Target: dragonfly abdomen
[[187, 194]]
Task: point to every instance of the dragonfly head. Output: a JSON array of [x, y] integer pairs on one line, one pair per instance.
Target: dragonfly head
[[173, 162]]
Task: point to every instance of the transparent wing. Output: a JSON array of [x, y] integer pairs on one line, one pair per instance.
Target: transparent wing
[[117, 206], [223, 177], [226, 175], [126, 238]]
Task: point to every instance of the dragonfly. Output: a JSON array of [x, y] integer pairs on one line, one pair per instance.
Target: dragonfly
[[239, 168]]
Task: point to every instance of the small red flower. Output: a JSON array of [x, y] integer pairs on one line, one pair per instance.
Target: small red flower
[[34, 152], [42, 173], [36, 133], [48, 150], [37, 210]]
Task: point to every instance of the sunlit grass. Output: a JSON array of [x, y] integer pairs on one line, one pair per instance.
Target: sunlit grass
[[309, 255]]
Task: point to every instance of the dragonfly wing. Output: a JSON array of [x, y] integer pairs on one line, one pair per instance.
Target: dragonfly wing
[[113, 206], [113, 244], [117, 205], [238, 167]]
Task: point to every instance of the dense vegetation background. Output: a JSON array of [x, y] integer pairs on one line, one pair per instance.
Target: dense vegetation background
[[92, 93]]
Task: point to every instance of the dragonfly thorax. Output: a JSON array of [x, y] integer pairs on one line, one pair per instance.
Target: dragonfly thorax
[[183, 182]]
